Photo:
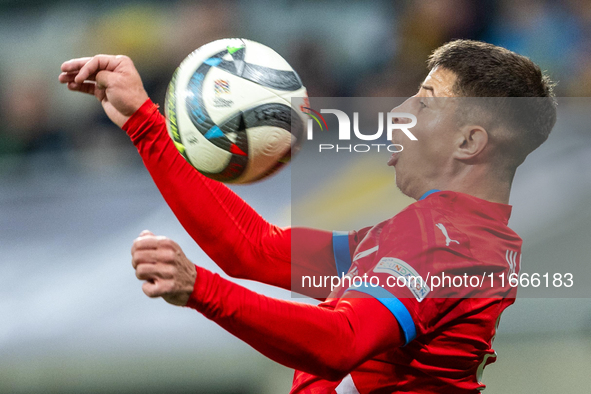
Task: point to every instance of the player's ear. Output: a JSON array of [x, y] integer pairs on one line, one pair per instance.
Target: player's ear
[[471, 141]]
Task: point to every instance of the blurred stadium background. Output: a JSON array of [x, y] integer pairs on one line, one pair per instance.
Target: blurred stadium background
[[74, 193]]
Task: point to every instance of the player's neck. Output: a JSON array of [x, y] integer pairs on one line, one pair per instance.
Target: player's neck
[[481, 184], [490, 192]]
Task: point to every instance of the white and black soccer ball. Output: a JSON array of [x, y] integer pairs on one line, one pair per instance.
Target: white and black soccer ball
[[230, 112]]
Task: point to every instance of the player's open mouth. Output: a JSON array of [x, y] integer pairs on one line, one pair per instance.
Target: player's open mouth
[[393, 159]]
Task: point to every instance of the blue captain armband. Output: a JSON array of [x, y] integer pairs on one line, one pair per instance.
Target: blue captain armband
[[340, 248], [394, 305]]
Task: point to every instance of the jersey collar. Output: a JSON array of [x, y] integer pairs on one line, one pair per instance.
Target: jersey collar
[[466, 202], [427, 194]]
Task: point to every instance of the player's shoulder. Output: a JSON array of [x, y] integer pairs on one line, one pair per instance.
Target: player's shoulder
[[455, 204], [448, 214]]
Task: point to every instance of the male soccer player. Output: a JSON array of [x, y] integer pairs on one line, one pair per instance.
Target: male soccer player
[[362, 339]]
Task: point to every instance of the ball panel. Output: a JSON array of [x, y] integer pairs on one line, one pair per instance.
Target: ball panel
[[206, 51], [203, 155], [274, 113], [270, 141], [194, 100], [268, 113], [224, 93], [171, 116], [267, 144], [297, 100], [194, 122], [262, 55], [272, 78]]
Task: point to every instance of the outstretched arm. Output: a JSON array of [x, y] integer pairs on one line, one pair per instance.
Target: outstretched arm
[[233, 234], [328, 341], [239, 240]]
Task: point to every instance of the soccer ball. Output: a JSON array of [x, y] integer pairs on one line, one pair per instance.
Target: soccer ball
[[235, 110]]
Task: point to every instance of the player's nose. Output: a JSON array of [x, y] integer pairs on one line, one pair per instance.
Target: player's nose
[[400, 119], [405, 107]]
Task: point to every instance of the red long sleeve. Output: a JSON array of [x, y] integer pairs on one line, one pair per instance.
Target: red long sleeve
[[238, 239], [319, 340], [328, 340]]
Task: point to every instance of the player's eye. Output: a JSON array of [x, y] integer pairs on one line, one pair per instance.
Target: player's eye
[[422, 104]]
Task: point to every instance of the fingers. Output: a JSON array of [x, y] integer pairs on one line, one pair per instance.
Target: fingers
[[69, 77], [153, 256], [96, 64], [86, 87], [145, 256], [66, 77], [77, 73], [143, 243], [74, 65], [167, 243], [85, 68], [147, 240], [151, 249], [158, 288], [153, 272], [102, 78]]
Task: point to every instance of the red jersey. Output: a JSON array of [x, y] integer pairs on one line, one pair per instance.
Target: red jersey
[[448, 340]]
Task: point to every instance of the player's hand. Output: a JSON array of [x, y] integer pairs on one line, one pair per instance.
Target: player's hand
[[113, 80], [162, 264]]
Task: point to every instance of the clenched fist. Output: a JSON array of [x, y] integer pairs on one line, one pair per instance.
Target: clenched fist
[[162, 264]]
